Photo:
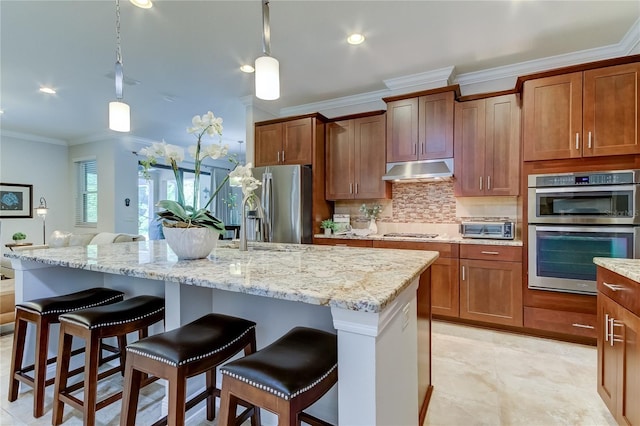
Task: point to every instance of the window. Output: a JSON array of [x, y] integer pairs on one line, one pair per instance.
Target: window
[[87, 196]]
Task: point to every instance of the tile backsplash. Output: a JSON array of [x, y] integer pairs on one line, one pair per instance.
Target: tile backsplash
[[432, 202]]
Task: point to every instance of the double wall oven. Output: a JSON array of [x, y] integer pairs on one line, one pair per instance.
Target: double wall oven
[[574, 217]]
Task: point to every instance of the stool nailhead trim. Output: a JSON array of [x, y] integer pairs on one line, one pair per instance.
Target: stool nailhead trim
[[186, 361], [64, 311], [107, 324], [278, 393]]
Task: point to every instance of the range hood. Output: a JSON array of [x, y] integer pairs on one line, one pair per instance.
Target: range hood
[[427, 170]]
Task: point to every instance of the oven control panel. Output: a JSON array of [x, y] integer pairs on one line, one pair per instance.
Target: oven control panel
[[579, 179]]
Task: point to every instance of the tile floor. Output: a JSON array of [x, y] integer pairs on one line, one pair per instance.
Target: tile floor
[[481, 377]]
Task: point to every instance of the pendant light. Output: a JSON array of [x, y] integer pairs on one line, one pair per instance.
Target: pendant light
[[267, 67], [119, 112]]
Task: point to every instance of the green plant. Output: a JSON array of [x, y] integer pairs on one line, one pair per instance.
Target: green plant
[[371, 212], [19, 236], [328, 224]]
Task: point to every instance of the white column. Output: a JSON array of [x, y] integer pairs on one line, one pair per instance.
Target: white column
[[378, 364]]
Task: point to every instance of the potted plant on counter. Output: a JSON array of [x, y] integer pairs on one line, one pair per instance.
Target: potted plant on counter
[[328, 225], [18, 237]]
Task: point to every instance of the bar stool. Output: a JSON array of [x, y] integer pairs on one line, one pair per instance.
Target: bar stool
[[42, 313], [116, 320], [285, 377], [192, 349]]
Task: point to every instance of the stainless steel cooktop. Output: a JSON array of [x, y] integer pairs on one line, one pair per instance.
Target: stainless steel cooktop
[[409, 235]]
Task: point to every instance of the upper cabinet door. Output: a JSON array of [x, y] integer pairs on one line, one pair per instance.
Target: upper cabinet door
[[340, 180], [502, 146], [611, 112], [268, 144], [470, 148], [297, 142], [435, 126], [552, 108], [369, 161], [402, 130]]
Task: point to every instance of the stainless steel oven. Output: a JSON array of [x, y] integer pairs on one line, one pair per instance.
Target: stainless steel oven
[[574, 217]]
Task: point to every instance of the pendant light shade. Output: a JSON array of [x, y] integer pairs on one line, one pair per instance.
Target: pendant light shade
[[267, 78], [119, 116], [267, 68], [119, 112]]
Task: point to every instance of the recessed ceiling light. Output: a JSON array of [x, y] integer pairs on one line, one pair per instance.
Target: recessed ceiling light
[[47, 90], [247, 68], [355, 38], [144, 4]]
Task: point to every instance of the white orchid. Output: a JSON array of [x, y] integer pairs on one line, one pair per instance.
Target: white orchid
[[242, 176], [177, 212]]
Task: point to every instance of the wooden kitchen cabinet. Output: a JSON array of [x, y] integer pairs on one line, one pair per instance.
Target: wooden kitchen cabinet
[[444, 274], [421, 127], [284, 142], [487, 147], [356, 159], [582, 114], [491, 284], [342, 242], [618, 304]]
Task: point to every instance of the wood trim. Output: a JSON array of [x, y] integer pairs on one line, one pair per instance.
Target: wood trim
[[477, 96], [359, 115], [316, 115], [453, 88], [576, 68]]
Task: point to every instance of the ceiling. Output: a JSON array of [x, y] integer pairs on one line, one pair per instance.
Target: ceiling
[[182, 58]]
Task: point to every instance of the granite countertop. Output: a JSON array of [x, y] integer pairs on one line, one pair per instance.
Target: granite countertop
[[350, 278], [444, 238], [628, 268]]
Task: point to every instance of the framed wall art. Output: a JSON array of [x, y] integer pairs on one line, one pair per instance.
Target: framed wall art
[[16, 200]]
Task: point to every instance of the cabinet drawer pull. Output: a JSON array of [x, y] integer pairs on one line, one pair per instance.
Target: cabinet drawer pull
[[577, 141], [480, 183], [490, 252], [488, 183], [283, 156], [589, 140], [606, 327], [578, 325], [613, 287], [415, 149], [278, 156], [350, 188], [463, 273], [356, 188]]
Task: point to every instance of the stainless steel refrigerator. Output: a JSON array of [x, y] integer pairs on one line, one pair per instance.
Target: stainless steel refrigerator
[[286, 198]]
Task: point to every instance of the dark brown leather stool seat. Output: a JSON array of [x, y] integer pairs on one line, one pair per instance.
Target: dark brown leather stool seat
[[195, 348], [93, 324], [285, 377], [42, 313]]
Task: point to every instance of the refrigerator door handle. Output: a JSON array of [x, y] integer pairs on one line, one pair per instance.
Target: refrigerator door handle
[[267, 205]]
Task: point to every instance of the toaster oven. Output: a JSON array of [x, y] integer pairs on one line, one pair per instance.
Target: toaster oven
[[488, 230]]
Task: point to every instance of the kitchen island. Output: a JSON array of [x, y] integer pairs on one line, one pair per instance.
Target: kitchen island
[[367, 297]]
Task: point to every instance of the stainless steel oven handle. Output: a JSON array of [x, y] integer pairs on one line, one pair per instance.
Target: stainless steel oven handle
[[582, 228], [613, 287], [585, 188]]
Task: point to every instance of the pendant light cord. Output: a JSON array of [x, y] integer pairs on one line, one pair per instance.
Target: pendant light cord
[[266, 30], [119, 74]]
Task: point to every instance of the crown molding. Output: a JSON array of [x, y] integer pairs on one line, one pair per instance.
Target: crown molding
[[33, 138], [446, 76], [344, 101], [435, 78], [110, 136]]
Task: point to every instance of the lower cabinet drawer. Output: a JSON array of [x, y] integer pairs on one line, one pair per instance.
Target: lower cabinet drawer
[[574, 323]]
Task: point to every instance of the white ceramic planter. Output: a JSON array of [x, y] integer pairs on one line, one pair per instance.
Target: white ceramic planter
[[191, 243]]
